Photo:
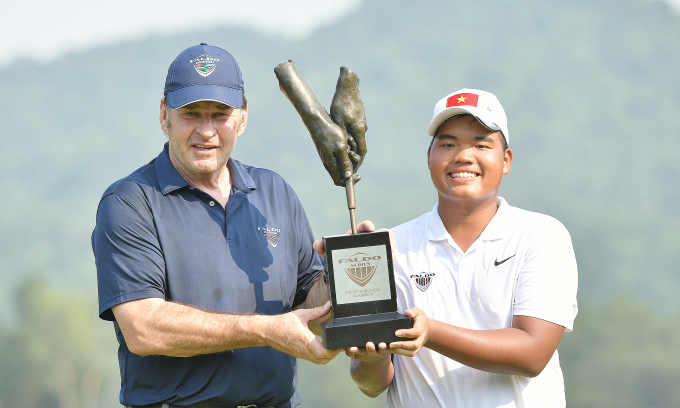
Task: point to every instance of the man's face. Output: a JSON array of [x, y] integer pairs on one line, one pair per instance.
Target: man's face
[[467, 161], [202, 136]]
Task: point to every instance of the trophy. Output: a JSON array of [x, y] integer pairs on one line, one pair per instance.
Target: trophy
[[360, 273]]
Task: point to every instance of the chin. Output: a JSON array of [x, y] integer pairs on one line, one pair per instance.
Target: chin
[[464, 195], [203, 169]]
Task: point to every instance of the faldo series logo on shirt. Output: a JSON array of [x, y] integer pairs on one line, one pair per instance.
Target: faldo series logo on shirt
[[205, 64], [271, 233], [423, 280], [360, 267]]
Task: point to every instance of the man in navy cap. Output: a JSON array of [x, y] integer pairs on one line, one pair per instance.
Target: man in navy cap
[[200, 259]]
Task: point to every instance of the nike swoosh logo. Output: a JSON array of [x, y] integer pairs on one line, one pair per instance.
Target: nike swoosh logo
[[496, 263]]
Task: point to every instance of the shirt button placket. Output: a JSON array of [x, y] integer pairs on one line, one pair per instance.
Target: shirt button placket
[[465, 270]]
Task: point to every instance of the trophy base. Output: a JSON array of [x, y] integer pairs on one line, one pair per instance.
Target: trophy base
[[356, 331]]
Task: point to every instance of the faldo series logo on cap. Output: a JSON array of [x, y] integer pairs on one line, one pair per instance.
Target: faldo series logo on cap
[[360, 267], [423, 280], [271, 233], [205, 64]]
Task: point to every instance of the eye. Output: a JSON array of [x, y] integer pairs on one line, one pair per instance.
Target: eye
[[224, 113]]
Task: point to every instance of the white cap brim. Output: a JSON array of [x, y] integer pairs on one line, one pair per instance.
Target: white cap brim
[[447, 113]]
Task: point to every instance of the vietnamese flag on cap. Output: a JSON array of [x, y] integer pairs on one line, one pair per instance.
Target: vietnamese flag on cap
[[462, 99]]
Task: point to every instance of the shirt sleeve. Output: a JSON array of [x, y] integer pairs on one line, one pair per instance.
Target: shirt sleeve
[[548, 280], [310, 264], [129, 260]]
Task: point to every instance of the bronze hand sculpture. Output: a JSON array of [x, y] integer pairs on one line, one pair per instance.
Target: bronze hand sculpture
[[347, 111], [339, 141]]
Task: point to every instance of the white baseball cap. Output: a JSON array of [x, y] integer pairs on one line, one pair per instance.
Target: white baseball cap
[[481, 104]]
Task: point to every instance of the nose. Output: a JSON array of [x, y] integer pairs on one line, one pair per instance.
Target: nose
[[206, 127], [464, 155]]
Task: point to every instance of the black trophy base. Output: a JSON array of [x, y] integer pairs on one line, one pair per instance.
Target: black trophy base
[[356, 331]]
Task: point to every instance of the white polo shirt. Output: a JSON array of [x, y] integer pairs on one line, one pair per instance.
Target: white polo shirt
[[523, 263]]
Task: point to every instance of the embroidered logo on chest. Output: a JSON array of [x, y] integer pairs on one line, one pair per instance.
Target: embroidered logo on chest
[[271, 233], [423, 280], [497, 262]]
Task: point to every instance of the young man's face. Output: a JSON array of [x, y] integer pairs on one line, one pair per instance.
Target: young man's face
[[467, 161]]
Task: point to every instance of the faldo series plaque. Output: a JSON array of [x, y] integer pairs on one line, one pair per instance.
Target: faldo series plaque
[[363, 293], [360, 274]]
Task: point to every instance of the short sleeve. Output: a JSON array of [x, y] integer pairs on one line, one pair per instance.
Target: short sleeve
[[127, 252], [548, 280], [310, 264]]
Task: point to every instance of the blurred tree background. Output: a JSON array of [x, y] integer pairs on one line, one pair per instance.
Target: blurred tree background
[[592, 92]]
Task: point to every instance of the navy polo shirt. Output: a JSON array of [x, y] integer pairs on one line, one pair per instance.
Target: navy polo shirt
[[158, 236]]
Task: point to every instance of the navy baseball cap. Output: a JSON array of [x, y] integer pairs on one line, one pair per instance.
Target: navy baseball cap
[[204, 73]]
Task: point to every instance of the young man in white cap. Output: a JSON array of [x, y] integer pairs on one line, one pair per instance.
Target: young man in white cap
[[491, 287]]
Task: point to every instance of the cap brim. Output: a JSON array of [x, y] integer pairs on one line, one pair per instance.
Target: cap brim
[[442, 116], [454, 111], [195, 93]]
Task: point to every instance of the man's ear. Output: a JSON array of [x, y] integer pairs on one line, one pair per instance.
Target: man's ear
[[507, 161], [163, 117], [428, 157], [244, 122]]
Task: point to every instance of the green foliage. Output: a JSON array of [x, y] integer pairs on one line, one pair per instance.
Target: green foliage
[[58, 355], [331, 386], [622, 353]]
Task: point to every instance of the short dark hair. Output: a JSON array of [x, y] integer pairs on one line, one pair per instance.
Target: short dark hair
[[244, 103], [504, 142]]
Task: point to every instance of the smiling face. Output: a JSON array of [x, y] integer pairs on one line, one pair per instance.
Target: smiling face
[[201, 137], [467, 162]]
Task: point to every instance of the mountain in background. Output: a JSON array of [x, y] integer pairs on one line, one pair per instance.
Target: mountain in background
[[591, 90]]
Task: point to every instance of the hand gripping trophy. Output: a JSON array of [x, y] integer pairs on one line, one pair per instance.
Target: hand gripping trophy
[[360, 274]]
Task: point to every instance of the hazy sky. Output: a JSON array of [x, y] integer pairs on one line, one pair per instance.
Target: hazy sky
[[43, 29]]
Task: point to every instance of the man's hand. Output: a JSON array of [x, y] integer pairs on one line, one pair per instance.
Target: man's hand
[[409, 348], [418, 333], [289, 333], [370, 353]]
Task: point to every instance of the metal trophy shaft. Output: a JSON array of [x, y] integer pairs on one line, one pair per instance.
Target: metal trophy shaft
[[351, 200]]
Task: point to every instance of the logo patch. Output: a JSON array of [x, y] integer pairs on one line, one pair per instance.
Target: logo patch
[[423, 280], [271, 233], [205, 64], [462, 99], [360, 267], [497, 262]]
